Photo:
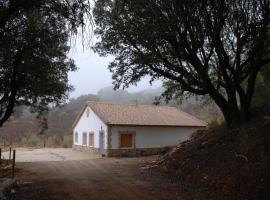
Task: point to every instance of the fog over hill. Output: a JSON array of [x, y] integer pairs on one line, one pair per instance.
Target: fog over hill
[[123, 96], [23, 125]]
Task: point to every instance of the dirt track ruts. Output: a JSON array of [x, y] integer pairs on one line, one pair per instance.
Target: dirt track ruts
[[102, 179]]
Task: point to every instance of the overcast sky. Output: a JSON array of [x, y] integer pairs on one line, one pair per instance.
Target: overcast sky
[[93, 73]]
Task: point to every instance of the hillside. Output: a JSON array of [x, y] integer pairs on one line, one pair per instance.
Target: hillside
[[234, 163], [23, 128]]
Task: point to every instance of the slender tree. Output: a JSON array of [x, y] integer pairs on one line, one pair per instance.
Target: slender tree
[[34, 43], [203, 47]]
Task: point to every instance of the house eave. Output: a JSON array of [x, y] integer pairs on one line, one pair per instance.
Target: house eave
[[146, 125]]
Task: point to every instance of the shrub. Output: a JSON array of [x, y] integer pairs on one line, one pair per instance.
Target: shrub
[[33, 142], [213, 124], [67, 145]]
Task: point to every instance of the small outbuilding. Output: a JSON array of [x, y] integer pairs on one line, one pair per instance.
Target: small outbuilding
[[131, 129]]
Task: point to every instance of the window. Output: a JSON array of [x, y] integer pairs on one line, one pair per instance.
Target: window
[[76, 137], [84, 138], [126, 140], [91, 139]]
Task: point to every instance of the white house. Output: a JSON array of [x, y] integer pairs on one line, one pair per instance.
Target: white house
[[131, 129]]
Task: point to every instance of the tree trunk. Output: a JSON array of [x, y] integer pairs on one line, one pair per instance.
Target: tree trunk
[[231, 117], [229, 109], [245, 109], [11, 99]]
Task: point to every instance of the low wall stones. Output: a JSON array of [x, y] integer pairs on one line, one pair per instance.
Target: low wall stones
[[125, 152], [137, 152], [85, 148]]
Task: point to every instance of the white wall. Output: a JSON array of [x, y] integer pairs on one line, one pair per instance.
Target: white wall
[[150, 137], [92, 123]]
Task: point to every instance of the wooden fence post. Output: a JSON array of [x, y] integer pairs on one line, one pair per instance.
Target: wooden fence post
[[13, 163], [9, 153]]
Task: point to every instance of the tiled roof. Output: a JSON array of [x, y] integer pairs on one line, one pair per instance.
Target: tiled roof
[[142, 115]]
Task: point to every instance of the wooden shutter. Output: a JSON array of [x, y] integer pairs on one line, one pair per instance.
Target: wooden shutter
[[84, 138], [76, 137], [91, 139], [126, 140]]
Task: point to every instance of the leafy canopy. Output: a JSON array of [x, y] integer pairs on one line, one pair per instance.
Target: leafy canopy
[[201, 47], [34, 43]]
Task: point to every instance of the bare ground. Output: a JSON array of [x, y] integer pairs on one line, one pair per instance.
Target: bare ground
[[49, 154], [100, 178], [226, 163]]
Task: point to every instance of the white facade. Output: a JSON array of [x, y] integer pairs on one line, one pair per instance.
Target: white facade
[[144, 137], [89, 124], [153, 137]]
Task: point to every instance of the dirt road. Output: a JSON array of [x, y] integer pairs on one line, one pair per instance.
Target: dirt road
[[49, 154], [101, 178]]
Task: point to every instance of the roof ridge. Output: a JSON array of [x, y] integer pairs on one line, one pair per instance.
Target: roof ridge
[[130, 104]]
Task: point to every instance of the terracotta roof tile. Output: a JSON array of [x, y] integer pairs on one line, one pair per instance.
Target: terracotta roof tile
[[142, 115]]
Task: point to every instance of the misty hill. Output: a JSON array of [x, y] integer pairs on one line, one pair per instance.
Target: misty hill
[[107, 94], [123, 96], [23, 125]]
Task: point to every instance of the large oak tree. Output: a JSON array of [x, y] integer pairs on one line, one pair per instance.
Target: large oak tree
[[34, 43], [203, 47]]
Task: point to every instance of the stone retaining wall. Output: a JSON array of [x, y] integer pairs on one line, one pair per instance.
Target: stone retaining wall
[[125, 152], [136, 152], [85, 148]]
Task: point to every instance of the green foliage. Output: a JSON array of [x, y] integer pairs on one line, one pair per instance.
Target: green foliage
[[33, 142], [262, 91], [34, 38], [43, 122], [67, 145], [266, 74], [213, 124], [198, 134]]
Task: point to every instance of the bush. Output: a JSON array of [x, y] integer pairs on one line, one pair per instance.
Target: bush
[[213, 124], [197, 134], [67, 145], [33, 142]]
